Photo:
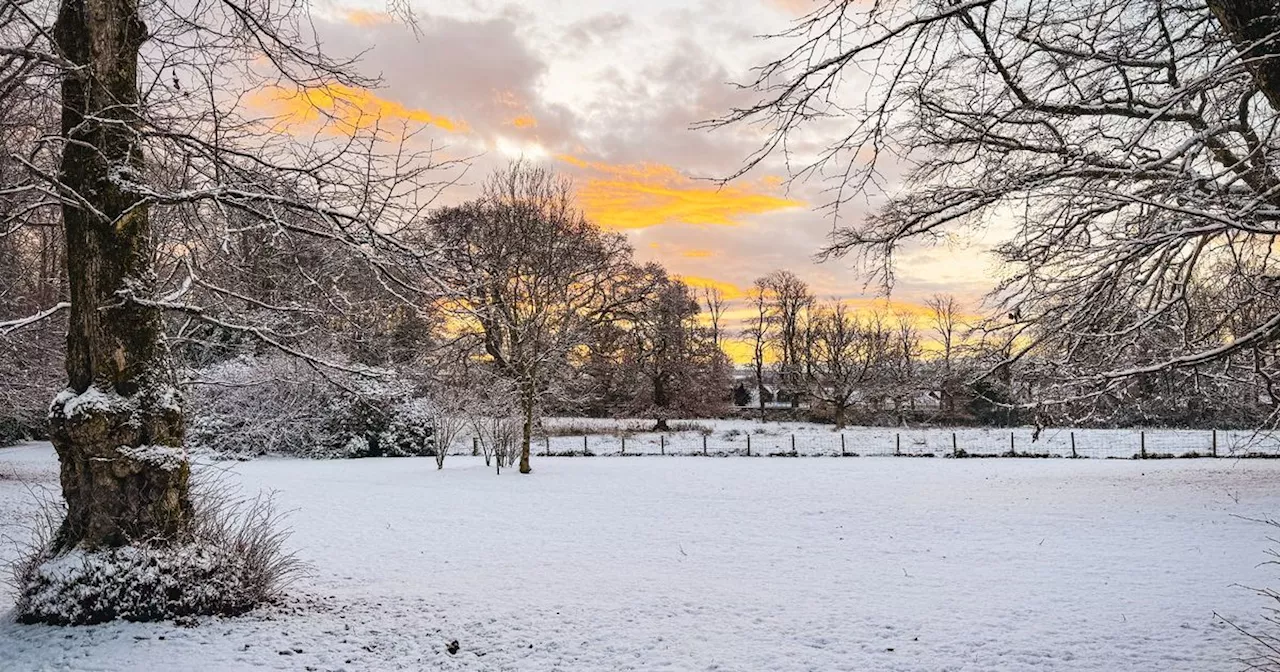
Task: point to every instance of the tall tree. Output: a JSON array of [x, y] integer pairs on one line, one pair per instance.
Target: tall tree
[[713, 300], [945, 320], [842, 359], [533, 277], [151, 139], [789, 299], [685, 370], [122, 408], [758, 332]]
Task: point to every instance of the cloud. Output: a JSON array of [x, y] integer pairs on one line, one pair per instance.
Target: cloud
[[637, 196], [365, 18], [524, 121], [607, 92], [347, 109], [730, 290], [597, 30]]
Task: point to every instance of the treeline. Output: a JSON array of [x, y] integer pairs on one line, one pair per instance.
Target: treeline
[[507, 306], [514, 305]]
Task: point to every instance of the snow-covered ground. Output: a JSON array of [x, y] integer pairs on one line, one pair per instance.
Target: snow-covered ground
[[725, 564], [605, 436]]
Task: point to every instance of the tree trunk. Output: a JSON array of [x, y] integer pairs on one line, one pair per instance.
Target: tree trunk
[[839, 413], [526, 435], [1254, 27], [660, 401], [118, 426]]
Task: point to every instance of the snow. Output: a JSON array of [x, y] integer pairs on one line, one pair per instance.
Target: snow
[[165, 457], [729, 437], [93, 399], [873, 563]]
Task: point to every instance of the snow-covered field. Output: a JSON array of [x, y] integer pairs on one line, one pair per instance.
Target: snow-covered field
[[725, 564], [606, 436]]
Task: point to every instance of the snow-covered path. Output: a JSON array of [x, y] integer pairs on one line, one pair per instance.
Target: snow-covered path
[[728, 564]]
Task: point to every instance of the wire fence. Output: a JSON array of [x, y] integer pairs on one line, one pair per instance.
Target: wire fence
[[930, 442]]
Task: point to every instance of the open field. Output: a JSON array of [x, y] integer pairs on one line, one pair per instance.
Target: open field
[[731, 437], [729, 564]]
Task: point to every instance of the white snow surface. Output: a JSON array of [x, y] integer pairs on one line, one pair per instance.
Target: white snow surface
[[729, 437], [646, 563]]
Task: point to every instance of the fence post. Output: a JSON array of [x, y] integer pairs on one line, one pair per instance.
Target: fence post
[[954, 450], [498, 461], [704, 445], [584, 445], [662, 443], [1215, 443], [748, 445], [897, 445], [793, 445], [1142, 438], [1012, 450], [1073, 445], [475, 446], [546, 451], [624, 444], [842, 453]]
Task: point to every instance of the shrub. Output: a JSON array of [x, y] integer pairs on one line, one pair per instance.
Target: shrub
[[410, 431], [258, 405], [231, 560]]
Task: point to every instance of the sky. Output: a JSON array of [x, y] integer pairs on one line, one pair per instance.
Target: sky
[[606, 91]]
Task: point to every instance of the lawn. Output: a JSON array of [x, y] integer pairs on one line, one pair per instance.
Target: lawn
[[683, 563]]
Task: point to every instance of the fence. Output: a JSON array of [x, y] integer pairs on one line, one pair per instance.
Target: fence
[[932, 442]]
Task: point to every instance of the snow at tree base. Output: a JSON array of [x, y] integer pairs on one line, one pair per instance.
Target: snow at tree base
[[873, 563]]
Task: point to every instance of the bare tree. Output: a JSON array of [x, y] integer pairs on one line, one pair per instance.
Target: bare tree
[[906, 354], [789, 299], [713, 300], [121, 405], [945, 319], [449, 416], [841, 359], [533, 276], [759, 333], [684, 368], [1127, 139]]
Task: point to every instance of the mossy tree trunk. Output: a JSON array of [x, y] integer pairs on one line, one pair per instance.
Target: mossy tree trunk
[[118, 426]]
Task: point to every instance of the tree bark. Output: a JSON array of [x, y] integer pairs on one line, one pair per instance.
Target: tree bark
[[526, 438], [660, 401], [118, 426], [1254, 27]]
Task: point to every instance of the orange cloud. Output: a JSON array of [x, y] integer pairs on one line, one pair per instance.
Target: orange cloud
[[730, 290], [349, 108], [696, 254], [637, 196], [524, 121]]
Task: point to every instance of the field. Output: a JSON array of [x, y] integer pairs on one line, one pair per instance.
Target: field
[[724, 564]]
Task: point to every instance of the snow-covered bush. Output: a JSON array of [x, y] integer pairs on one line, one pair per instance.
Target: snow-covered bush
[[230, 560], [410, 430], [273, 404]]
